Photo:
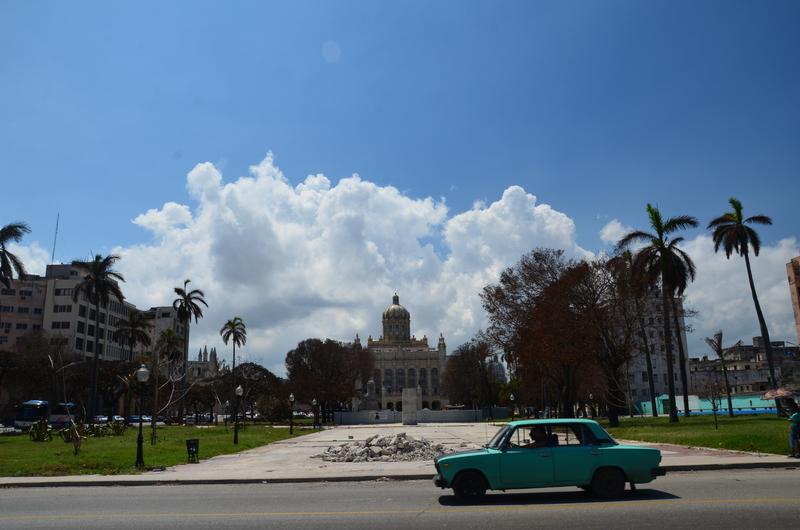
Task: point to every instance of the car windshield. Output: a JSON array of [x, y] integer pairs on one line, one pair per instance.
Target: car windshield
[[494, 443]]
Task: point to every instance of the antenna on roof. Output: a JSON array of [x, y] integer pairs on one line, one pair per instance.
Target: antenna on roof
[[55, 238]]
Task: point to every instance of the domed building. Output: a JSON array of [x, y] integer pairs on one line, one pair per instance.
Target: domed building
[[404, 361]]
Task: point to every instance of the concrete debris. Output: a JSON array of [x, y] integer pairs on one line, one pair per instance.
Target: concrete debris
[[398, 448]]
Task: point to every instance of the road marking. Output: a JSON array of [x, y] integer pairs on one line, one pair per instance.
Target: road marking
[[467, 509]]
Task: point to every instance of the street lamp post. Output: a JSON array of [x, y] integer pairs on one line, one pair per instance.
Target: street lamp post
[[142, 375], [315, 410], [291, 413], [239, 391], [511, 397]]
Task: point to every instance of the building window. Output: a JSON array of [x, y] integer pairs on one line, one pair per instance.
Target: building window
[[25, 293], [388, 380], [412, 378], [165, 315], [435, 380], [20, 325], [37, 310], [401, 379], [8, 292], [36, 327], [376, 378], [23, 310], [81, 327], [3, 339], [5, 325], [423, 380], [79, 343], [7, 309], [644, 377], [89, 346], [60, 325], [91, 331], [63, 292], [62, 309], [82, 311]]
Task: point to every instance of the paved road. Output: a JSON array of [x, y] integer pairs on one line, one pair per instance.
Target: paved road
[[714, 499]]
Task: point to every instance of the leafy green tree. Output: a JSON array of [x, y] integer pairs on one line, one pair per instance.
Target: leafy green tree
[[133, 331], [715, 343], [734, 233], [99, 283], [661, 259]]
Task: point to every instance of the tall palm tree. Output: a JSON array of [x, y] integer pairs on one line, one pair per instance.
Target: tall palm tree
[[660, 259], [715, 343], [99, 283], [169, 346], [681, 351], [187, 305], [731, 232], [133, 330], [235, 331], [10, 262]]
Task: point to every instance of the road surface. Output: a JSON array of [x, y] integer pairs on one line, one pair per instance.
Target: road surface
[[714, 499]]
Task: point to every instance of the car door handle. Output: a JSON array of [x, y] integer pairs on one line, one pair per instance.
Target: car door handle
[[545, 455]]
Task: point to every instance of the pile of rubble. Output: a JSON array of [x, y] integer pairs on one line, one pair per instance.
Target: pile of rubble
[[397, 448]]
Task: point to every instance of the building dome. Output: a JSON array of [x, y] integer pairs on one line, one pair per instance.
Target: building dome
[[396, 321]]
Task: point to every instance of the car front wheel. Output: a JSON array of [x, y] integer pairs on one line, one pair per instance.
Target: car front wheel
[[469, 486], [608, 483]]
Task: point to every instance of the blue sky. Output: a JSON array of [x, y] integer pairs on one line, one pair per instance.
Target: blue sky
[[594, 107]]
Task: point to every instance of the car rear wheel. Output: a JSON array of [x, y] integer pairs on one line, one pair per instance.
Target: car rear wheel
[[608, 483], [469, 486]]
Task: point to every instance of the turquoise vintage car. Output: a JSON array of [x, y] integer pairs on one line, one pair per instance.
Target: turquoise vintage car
[[547, 453]]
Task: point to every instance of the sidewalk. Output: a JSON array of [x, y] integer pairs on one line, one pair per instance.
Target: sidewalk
[[290, 460]]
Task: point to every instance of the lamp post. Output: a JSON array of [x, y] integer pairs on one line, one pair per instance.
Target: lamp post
[[291, 413], [315, 410], [142, 375], [511, 397], [239, 391]]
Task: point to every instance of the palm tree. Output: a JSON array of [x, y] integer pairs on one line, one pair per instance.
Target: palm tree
[[681, 351], [133, 331], [715, 343], [187, 305], [168, 346], [732, 233], [235, 331], [662, 260], [10, 262], [98, 285]]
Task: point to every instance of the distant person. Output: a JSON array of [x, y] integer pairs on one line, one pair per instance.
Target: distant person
[[794, 430]]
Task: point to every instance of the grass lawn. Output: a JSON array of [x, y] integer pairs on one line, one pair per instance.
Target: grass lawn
[[765, 434], [117, 454]]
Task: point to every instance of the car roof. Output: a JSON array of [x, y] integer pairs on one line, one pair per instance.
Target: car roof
[[551, 421]]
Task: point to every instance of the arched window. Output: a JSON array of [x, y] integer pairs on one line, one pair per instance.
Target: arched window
[[423, 380], [435, 380], [401, 379], [412, 378]]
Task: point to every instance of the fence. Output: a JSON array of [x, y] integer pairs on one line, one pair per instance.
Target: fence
[[423, 416]]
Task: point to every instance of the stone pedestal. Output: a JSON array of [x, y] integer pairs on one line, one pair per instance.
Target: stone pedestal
[[410, 402]]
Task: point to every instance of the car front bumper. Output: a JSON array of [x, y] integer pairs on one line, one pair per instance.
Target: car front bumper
[[659, 471], [439, 481]]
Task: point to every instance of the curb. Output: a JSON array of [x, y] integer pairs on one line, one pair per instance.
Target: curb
[[357, 478]]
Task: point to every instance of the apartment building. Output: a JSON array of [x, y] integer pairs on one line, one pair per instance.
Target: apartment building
[[793, 273], [638, 385], [47, 303]]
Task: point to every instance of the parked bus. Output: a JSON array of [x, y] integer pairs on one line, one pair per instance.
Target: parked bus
[[36, 410]]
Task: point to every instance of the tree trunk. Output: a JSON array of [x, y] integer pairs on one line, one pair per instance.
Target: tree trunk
[[673, 411], [154, 419], [762, 323], [649, 362], [614, 394], [93, 390], [727, 385], [681, 359]]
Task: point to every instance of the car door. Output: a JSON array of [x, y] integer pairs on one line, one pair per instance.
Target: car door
[[525, 467], [575, 456]]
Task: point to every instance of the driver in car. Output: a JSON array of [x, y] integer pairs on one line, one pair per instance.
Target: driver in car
[[538, 438]]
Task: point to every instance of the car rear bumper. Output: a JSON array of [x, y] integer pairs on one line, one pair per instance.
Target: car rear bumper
[[439, 481], [659, 471]]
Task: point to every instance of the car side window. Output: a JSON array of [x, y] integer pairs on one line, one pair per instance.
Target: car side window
[[572, 435]]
